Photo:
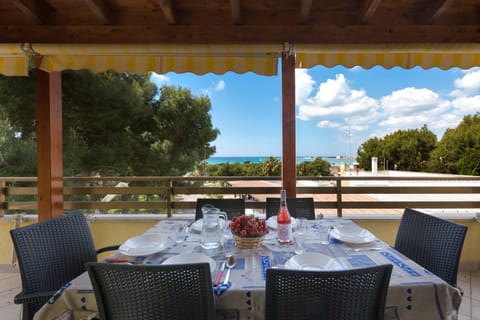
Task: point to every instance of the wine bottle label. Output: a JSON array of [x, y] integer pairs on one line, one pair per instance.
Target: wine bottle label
[[284, 232]]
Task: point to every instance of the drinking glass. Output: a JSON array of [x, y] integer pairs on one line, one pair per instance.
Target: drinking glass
[[300, 234], [325, 234], [180, 232]]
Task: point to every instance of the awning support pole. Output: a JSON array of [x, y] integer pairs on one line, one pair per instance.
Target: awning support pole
[[49, 143], [289, 174]]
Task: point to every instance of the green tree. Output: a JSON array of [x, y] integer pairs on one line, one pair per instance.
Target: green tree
[[118, 124], [178, 135], [409, 149], [317, 167], [403, 149], [272, 167], [17, 104], [373, 147], [17, 156], [458, 151]]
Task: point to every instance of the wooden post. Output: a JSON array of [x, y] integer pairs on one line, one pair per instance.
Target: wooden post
[[339, 197], [289, 174], [2, 198], [49, 144], [170, 196]]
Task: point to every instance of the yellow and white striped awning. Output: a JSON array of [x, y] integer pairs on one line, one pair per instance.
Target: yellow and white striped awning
[[198, 59], [13, 60], [219, 59], [443, 56]]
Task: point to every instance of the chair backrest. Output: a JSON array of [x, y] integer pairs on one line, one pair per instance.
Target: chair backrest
[[51, 253], [432, 242], [125, 292], [358, 294], [298, 207], [233, 207]]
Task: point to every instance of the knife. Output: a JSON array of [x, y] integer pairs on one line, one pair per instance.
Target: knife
[[116, 260], [188, 226], [219, 274]]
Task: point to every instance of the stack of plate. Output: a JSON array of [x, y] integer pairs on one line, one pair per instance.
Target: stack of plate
[[312, 261], [145, 244], [352, 233], [189, 258]]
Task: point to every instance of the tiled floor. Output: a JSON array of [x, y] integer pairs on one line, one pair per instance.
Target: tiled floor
[[468, 281], [10, 285], [470, 307]]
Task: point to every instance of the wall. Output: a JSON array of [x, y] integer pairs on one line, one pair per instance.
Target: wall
[[108, 230]]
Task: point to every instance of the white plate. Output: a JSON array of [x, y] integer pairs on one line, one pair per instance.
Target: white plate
[[145, 244], [198, 225], [352, 236], [190, 258], [272, 222], [349, 229], [312, 261]]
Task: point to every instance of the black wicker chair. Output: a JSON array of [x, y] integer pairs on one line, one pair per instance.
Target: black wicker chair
[[434, 243], [298, 207], [126, 292], [51, 253], [232, 207], [356, 294]]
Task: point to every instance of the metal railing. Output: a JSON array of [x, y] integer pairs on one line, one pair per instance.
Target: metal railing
[[176, 195]]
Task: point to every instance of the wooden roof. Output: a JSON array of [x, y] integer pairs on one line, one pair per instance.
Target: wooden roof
[[240, 21]]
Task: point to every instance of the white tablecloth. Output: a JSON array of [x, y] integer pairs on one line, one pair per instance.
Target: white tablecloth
[[414, 293]]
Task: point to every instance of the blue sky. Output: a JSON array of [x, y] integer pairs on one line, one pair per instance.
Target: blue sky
[[337, 108]]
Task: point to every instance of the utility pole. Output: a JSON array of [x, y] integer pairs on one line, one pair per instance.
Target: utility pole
[[349, 133]]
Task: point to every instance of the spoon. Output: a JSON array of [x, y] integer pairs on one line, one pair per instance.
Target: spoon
[[230, 265]]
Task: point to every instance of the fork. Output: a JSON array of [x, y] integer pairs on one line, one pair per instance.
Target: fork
[[365, 249]]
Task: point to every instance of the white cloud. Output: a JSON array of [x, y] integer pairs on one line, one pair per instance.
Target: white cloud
[[407, 121], [214, 87], [303, 86], [468, 84], [356, 68], [361, 121], [444, 121], [408, 100], [335, 99], [334, 104], [411, 108], [328, 124], [159, 79], [467, 105], [359, 128], [220, 85]]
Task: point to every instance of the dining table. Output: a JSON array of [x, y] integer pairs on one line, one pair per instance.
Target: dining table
[[326, 244]]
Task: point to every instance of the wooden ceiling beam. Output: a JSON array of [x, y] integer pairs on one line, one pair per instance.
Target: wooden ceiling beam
[[236, 14], [240, 34], [100, 9], [305, 10], [369, 7], [38, 10], [434, 10], [167, 9]]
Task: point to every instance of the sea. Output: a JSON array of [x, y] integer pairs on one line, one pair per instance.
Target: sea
[[261, 159]]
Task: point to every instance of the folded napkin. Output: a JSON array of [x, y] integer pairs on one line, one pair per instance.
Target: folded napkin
[[221, 288], [266, 264]]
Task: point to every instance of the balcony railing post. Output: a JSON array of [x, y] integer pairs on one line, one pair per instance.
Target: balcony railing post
[[339, 197], [169, 198], [328, 193], [2, 198]]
